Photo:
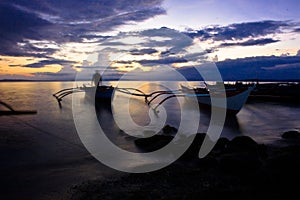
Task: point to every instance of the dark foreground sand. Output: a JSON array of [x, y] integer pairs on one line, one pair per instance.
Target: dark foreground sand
[[236, 169]]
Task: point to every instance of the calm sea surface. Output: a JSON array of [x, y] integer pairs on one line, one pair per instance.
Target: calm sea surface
[[37, 148], [263, 121]]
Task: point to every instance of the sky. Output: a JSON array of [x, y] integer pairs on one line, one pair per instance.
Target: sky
[[57, 40]]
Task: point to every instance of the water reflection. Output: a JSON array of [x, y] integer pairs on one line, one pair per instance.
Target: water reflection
[[231, 127], [109, 126], [108, 112], [256, 119]]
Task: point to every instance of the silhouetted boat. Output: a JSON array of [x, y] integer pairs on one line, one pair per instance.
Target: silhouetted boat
[[101, 93], [236, 96]]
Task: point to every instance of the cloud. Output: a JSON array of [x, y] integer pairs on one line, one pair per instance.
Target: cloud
[[143, 51], [148, 50], [163, 61], [66, 21], [251, 42], [66, 73], [162, 46], [240, 31], [155, 62], [297, 30], [82, 12], [173, 40], [284, 67], [252, 68], [42, 63], [156, 75], [15, 26]]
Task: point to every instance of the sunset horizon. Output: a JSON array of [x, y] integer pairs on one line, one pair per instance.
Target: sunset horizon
[[42, 41]]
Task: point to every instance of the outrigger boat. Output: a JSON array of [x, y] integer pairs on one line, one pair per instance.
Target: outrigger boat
[[100, 94], [236, 96]]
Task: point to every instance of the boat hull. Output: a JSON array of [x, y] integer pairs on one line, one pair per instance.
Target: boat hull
[[101, 93], [234, 101]]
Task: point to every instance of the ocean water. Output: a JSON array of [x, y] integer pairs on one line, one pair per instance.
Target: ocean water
[[263, 121], [46, 146]]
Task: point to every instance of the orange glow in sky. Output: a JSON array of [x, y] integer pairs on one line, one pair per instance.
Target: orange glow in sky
[[72, 39], [15, 66]]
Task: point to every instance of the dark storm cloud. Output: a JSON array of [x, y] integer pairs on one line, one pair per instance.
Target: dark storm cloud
[[79, 11], [16, 25], [250, 42], [66, 21], [240, 31]]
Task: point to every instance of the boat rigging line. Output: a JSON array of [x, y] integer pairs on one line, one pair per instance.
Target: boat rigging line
[[48, 133], [12, 111]]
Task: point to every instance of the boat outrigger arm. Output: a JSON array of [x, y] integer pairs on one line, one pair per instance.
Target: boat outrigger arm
[[65, 92], [12, 111], [235, 97], [149, 98], [146, 96]]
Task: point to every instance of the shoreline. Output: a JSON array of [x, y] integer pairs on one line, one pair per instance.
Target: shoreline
[[57, 171], [40, 160], [237, 169]]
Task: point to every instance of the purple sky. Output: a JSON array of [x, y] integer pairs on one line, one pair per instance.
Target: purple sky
[[54, 39]]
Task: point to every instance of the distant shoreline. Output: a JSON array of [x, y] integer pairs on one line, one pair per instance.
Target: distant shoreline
[[250, 80]]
